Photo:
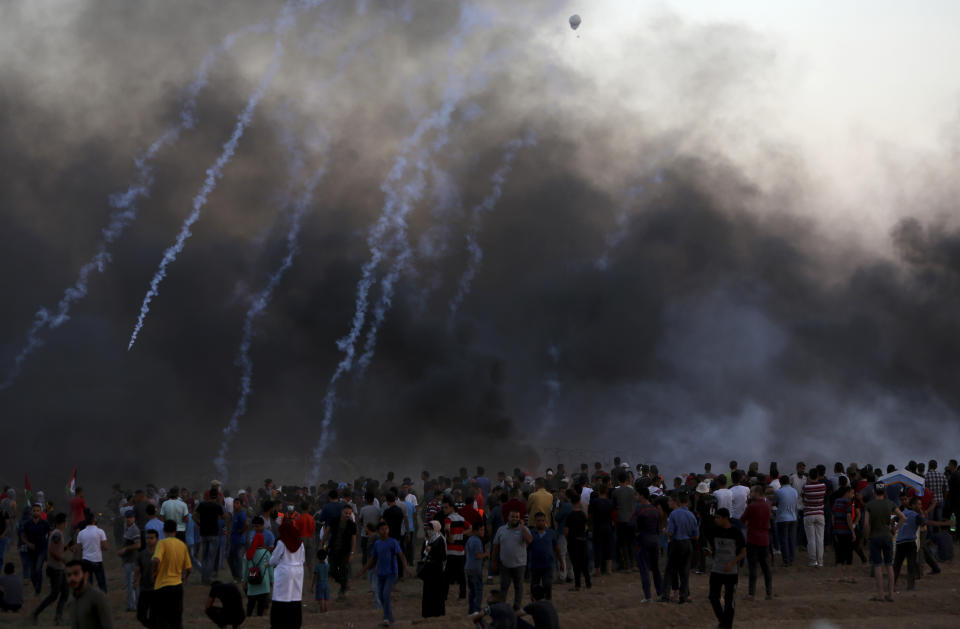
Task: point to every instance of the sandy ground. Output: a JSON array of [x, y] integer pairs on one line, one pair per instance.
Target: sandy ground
[[804, 596]]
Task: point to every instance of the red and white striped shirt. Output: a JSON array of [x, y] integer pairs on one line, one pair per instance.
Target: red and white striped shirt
[[813, 495]]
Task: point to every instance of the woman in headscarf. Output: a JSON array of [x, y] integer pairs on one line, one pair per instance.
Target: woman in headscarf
[[287, 561], [432, 572], [257, 556]]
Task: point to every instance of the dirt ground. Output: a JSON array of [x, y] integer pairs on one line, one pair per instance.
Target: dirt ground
[[805, 597]]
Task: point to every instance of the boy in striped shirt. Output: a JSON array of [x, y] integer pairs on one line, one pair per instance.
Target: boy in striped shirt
[[813, 494]]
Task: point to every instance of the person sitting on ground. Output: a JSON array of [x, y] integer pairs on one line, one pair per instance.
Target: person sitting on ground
[[231, 613], [11, 588], [541, 611], [501, 614]]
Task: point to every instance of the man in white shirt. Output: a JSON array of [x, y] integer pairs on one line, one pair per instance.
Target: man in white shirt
[[739, 493], [723, 495], [93, 541], [175, 509]]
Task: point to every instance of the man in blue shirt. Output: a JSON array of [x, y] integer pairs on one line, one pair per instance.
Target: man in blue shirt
[[682, 530], [238, 530], [543, 550], [786, 499], [474, 568], [387, 555]]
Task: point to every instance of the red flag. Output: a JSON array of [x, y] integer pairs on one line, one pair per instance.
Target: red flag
[[72, 483], [27, 489]]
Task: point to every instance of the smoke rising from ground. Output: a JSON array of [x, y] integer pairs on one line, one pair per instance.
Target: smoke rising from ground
[[736, 314]]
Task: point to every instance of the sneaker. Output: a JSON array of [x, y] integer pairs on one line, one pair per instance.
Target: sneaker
[[812, 564], [644, 600]]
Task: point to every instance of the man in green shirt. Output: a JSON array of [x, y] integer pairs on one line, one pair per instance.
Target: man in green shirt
[[90, 609], [878, 528]]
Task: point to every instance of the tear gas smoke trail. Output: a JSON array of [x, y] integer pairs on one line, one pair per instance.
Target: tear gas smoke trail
[[124, 204], [489, 202], [613, 240], [256, 309], [283, 24], [213, 173], [470, 18], [552, 382]]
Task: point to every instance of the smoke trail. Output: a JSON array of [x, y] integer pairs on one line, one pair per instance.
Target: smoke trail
[[124, 205], [213, 173], [552, 383], [489, 202], [256, 309], [613, 240], [284, 23], [395, 208]]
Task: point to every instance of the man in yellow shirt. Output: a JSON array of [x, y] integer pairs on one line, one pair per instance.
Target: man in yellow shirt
[[541, 501], [171, 567]]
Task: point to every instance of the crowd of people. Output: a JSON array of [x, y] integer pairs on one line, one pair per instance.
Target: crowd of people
[[499, 545]]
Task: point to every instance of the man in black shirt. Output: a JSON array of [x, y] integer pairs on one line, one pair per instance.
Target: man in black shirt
[[541, 611], [601, 521], [145, 579], [730, 551], [209, 513], [575, 531], [231, 614]]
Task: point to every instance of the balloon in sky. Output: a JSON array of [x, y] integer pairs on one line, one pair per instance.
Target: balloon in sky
[[574, 21]]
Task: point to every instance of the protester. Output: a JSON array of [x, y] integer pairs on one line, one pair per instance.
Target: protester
[[257, 571], [475, 556], [128, 557], [906, 548], [813, 494], [510, 556], [576, 533], [175, 509], [341, 547], [286, 610], [540, 610], [624, 502], [844, 532], [145, 580], [209, 514], [601, 524], [93, 542], [502, 616], [89, 608], [730, 550], [56, 570], [432, 572], [171, 561], [787, 500], [387, 555], [11, 589], [682, 531], [230, 611], [877, 529], [756, 518]]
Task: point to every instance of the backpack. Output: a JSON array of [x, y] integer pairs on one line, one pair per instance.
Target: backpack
[[254, 574]]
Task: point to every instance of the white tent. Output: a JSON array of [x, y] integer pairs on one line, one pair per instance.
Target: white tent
[[905, 478]]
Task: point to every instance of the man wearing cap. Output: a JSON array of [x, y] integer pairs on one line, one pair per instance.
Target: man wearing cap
[[128, 556]]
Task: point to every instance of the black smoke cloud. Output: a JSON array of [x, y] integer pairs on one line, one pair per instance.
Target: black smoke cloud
[[729, 322]]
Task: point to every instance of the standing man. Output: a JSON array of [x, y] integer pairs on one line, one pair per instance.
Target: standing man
[[646, 519], [575, 530], [208, 513], [128, 556], [78, 512], [175, 509], [786, 520], [814, 493], [510, 556], [238, 533], [341, 546], [543, 551], [756, 519], [454, 526], [730, 551], [145, 580], [624, 501], [171, 567], [90, 609], [878, 530], [35, 532], [93, 541], [56, 570], [682, 531]]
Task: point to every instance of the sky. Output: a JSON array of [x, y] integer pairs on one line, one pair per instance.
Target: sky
[[685, 231]]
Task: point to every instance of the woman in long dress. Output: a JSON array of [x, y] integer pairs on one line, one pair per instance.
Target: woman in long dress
[[434, 579], [286, 612]]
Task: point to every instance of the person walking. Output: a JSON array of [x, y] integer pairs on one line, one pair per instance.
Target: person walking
[[454, 526], [907, 542], [93, 542], [56, 571], [387, 555], [89, 609], [257, 574], [286, 611]]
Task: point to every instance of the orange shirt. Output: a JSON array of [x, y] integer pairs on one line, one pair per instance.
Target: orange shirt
[[306, 525]]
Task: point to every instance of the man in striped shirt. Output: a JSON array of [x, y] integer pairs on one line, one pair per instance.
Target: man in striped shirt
[[813, 494], [453, 525], [936, 482]]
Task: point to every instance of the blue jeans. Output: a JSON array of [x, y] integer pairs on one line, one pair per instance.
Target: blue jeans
[[648, 560], [474, 591], [235, 560], [128, 574], [786, 533], [385, 586], [209, 549]]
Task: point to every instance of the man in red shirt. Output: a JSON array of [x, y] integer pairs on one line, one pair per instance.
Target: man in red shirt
[[78, 507], [307, 527], [756, 517], [514, 504]]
